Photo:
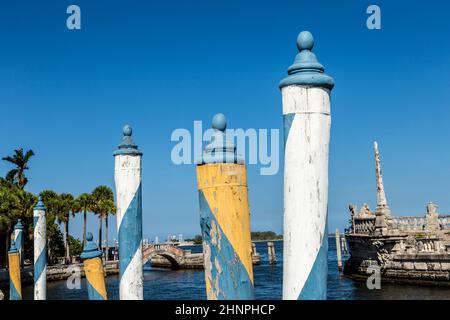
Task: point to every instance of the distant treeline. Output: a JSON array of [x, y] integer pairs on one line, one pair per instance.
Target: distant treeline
[[255, 235], [265, 235]]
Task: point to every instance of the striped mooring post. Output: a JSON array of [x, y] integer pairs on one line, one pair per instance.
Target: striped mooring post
[[18, 238], [93, 268], [338, 249], [127, 176], [225, 219], [306, 116], [15, 287], [40, 251]]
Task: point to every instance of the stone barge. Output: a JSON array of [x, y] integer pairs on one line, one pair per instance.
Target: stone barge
[[406, 249]]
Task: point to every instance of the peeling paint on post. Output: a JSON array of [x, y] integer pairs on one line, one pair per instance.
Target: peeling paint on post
[[40, 251], [225, 219], [306, 112], [18, 238], [127, 176], [15, 286], [93, 268]]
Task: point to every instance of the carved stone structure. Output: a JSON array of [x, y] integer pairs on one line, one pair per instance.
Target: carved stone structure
[[413, 249]]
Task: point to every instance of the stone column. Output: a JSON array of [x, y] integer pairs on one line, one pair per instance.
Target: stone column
[[382, 212], [306, 114], [128, 159], [225, 219], [93, 268], [40, 251]]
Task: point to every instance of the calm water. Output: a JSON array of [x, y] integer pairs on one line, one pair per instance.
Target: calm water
[[190, 284]]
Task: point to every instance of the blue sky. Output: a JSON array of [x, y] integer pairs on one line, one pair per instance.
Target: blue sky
[[161, 65]]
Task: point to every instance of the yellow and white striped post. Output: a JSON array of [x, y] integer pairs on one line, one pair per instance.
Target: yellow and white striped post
[[93, 268], [225, 219], [15, 287]]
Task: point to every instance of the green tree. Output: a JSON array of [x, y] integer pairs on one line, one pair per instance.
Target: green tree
[[9, 213], [54, 236], [20, 161], [75, 246], [103, 205], [85, 204]]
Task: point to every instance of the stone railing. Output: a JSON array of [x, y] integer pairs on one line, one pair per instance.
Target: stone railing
[[419, 223], [364, 225]]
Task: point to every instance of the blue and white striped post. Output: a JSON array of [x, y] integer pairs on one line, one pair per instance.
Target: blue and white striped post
[[127, 177], [40, 251], [306, 114], [18, 238]]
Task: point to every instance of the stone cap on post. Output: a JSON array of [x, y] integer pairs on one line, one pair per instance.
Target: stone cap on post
[[40, 205], [306, 69], [127, 146], [90, 250], [18, 225], [220, 150], [13, 248]]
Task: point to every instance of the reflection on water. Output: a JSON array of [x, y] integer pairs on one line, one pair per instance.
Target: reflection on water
[[190, 284]]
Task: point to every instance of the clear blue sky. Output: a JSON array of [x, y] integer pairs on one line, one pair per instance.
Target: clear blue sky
[[160, 65]]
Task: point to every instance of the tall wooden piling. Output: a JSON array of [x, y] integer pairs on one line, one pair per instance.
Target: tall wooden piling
[[271, 253], [127, 176], [306, 115], [225, 219], [338, 249]]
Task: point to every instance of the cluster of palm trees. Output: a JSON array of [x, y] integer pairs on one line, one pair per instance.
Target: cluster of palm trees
[[15, 203], [61, 207]]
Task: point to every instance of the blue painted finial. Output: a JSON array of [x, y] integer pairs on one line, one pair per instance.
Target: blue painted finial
[[90, 249], [305, 41], [40, 205], [306, 69], [220, 150], [127, 146], [18, 225], [13, 248]]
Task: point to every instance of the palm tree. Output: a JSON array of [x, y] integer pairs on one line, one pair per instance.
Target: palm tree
[[20, 160], [63, 216], [85, 204], [103, 205]]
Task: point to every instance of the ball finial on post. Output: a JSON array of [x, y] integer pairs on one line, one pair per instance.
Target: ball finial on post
[[127, 130], [305, 41], [219, 122]]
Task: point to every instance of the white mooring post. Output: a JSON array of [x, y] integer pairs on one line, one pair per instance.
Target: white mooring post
[[127, 177], [40, 251], [306, 114], [338, 249]]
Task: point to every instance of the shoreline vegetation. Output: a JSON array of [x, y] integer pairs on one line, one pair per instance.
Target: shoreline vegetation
[[256, 236], [17, 203]]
